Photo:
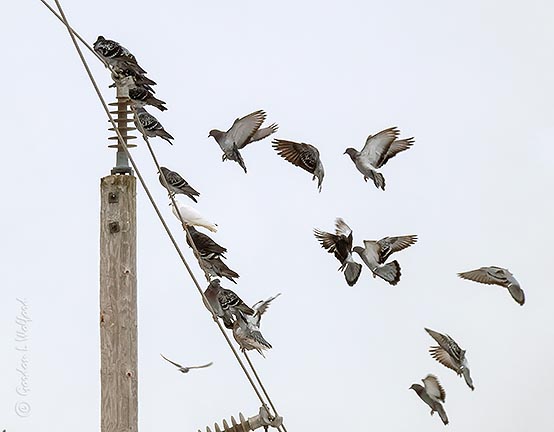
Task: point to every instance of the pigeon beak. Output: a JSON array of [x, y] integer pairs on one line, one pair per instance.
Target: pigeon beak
[[344, 152]]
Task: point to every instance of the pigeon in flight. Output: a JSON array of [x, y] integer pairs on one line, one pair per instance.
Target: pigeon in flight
[[149, 125], [177, 184], [449, 354], [140, 97], [303, 155], [244, 131], [225, 303], [340, 244], [191, 216], [378, 149], [186, 369], [116, 55], [497, 276], [432, 394], [375, 253]]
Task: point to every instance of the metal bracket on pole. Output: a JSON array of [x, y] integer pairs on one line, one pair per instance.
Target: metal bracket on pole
[[123, 111], [263, 419]]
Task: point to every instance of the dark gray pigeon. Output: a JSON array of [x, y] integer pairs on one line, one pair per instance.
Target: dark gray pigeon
[[244, 131], [497, 276], [186, 369], [140, 97], [148, 124], [177, 184], [206, 247], [225, 303], [116, 55], [378, 149], [128, 79], [432, 394], [216, 267], [303, 155], [340, 244]]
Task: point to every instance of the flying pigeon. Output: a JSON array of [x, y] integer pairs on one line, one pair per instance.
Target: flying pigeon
[[432, 394], [375, 253], [244, 131], [449, 354], [305, 156], [147, 124], [140, 97], [340, 244], [378, 149], [206, 247], [116, 55], [186, 369], [191, 216], [225, 303], [497, 276], [177, 184]]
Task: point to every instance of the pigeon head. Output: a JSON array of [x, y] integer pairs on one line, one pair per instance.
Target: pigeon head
[[215, 133], [359, 250], [352, 152], [215, 282], [417, 388]]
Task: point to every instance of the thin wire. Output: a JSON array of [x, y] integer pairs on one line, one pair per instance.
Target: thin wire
[[72, 34]]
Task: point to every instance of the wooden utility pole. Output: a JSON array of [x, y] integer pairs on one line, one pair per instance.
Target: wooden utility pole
[[118, 292]]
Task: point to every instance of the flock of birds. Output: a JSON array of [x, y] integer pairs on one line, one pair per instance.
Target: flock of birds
[[236, 315]]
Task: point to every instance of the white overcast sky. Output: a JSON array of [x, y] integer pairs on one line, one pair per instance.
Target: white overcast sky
[[472, 81]]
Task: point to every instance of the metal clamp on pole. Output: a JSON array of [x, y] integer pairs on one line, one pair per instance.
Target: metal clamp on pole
[[263, 419]]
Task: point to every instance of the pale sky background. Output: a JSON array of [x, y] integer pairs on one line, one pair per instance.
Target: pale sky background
[[471, 81]]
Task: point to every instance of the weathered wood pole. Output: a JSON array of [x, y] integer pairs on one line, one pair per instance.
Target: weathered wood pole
[[118, 304]]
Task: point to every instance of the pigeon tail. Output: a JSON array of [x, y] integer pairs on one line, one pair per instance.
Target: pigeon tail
[[166, 136], [467, 377], [352, 273], [208, 225], [442, 414], [378, 180], [389, 272]]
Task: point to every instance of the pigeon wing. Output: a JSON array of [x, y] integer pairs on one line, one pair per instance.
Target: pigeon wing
[[303, 155], [434, 388], [397, 147], [442, 356], [517, 293], [390, 245], [377, 146], [262, 305], [172, 362], [244, 128], [201, 366], [448, 344], [342, 227], [262, 133], [486, 275], [327, 240]]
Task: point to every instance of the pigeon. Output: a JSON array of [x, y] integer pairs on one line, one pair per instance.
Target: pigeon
[[140, 97], [148, 125], [216, 267], [340, 244], [497, 276], [191, 216], [375, 253], [449, 354], [116, 55], [432, 394], [177, 184], [225, 303], [206, 247], [244, 131], [378, 149], [186, 369], [303, 155], [126, 79]]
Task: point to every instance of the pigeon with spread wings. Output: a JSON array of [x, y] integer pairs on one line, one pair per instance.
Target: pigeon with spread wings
[[186, 369], [432, 393], [303, 155], [497, 276]]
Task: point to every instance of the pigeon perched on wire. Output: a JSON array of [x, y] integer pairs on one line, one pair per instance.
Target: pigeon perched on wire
[[303, 155], [449, 354], [148, 125], [206, 247], [177, 184], [432, 394], [378, 149], [116, 55], [497, 276], [340, 244], [186, 369], [225, 303], [216, 267], [140, 97], [128, 79], [246, 329], [244, 131], [375, 253], [191, 216]]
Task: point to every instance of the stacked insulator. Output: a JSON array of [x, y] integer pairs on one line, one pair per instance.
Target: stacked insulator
[[246, 425]]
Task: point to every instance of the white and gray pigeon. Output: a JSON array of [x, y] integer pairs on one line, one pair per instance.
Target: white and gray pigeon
[[449, 354], [340, 244], [225, 303], [432, 394], [244, 131], [375, 253], [147, 124], [116, 55], [497, 276], [140, 96], [177, 184], [303, 155], [185, 369], [378, 149], [191, 216]]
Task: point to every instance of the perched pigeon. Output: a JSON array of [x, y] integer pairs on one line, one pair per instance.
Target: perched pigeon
[[140, 97], [244, 131], [177, 184], [116, 55], [497, 276], [449, 354], [375, 253], [225, 303], [191, 216], [128, 79], [216, 267], [206, 247], [305, 156], [432, 394], [340, 244], [147, 124], [378, 149], [186, 369]]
